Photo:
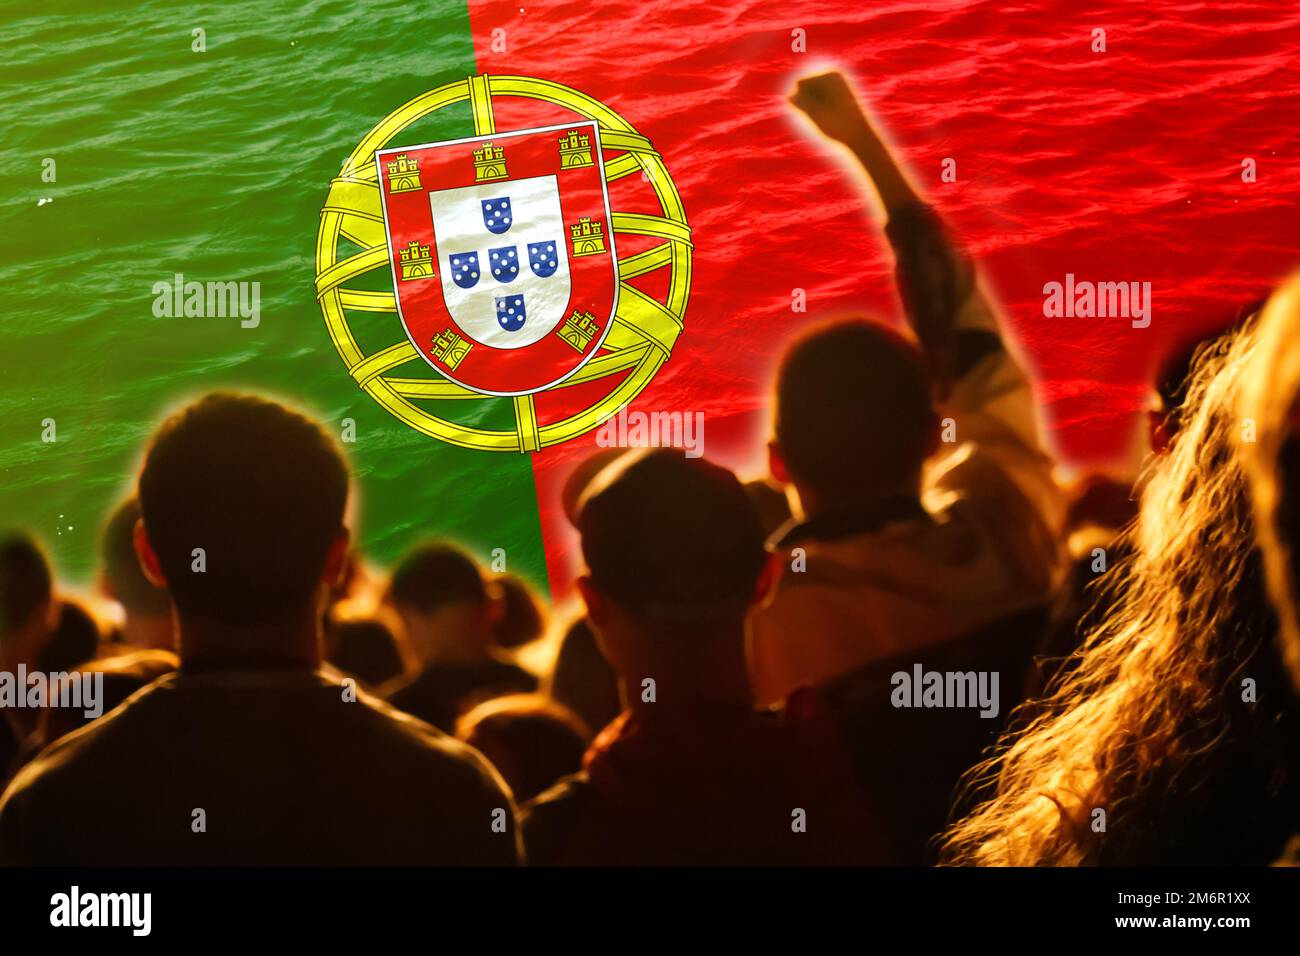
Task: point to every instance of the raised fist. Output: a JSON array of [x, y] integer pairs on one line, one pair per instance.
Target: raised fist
[[829, 102]]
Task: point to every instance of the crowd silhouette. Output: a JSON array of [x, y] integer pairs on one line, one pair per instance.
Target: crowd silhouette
[[776, 672]]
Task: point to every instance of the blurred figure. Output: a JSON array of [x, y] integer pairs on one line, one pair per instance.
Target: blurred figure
[[522, 619], [28, 610], [583, 680], [148, 611], [28, 614], [916, 522], [74, 640], [529, 738], [364, 647], [248, 755], [690, 774], [1176, 722], [449, 617]]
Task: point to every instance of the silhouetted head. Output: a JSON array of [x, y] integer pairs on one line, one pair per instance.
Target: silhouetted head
[[854, 414], [444, 603], [243, 503], [674, 554], [26, 585], [532, 740], [123, 578], [523, 618], [435, 575], [668, 536]]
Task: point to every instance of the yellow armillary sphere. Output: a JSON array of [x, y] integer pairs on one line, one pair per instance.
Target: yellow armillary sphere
[[502, 251]]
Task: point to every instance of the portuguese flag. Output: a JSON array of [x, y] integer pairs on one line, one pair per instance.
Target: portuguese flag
[[168, 147]]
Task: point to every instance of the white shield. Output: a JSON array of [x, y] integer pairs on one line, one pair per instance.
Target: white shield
[[459, 228]]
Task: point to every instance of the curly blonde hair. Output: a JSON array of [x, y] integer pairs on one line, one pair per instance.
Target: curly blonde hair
[[1152, 714]]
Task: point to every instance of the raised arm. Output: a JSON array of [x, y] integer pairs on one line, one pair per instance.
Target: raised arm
[[829, 102], [935, 280], [978, 380]]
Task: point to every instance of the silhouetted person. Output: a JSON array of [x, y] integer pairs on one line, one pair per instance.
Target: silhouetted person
[[690, 774], [927, 507], [364, 647], [28, 614], [532, 740], [74, 640], [248, 755], [448, 615], [28, 609], [147, 623]]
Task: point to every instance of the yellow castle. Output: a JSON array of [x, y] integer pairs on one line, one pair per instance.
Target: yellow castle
[[575, 150], [416, 261], [588, 237], [403, 174], [579, 329], [489, 163], [450, 348]]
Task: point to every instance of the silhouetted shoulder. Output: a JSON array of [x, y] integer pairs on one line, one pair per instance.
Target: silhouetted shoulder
[[422, 737], [261, 747], [459, 775], [58, 754], [555, 822], [44, 782]]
